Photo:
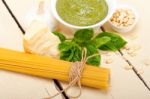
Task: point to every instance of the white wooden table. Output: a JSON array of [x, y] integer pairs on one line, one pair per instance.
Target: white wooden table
[[124, 84]]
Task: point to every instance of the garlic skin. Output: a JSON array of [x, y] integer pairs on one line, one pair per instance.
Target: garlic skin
[[40, 12], [39, 40]]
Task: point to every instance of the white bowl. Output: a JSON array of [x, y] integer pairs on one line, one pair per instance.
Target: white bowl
[[129, 28], [111, 9]]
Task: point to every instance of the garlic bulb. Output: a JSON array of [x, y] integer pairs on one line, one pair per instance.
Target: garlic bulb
[[42, 13]]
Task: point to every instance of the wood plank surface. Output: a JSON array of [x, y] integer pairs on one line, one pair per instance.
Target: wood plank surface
[[17, 86], [124, 84], [139, 37]]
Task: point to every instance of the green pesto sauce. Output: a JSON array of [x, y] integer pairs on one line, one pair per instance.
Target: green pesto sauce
[[82, 12]]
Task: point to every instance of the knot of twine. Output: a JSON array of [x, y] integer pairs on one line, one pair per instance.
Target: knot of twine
[[75, 74]]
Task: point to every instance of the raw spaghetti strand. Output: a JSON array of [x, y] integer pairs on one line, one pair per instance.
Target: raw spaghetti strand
[[75, 75], [46, 67]]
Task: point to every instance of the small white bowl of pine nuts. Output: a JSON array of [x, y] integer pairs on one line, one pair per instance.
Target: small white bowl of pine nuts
[[124, 19]]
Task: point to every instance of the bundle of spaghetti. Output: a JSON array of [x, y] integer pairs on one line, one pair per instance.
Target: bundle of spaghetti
[[47, 67]]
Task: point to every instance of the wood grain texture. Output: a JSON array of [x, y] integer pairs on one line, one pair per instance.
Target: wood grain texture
[[12, 85], [124, 84], [139, 36]]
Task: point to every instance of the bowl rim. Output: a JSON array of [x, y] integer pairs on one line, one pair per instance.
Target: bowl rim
[[111, 8], [126, 6]]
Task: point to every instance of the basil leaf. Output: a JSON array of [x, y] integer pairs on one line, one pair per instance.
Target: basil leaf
[[114, 44], [70, 51], [65, 46], [91, 50], [108, 47], [61, 36], [84, 35], [99, 41], [94, 61]]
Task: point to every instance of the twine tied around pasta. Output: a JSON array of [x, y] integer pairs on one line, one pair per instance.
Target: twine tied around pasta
[[75, 74]]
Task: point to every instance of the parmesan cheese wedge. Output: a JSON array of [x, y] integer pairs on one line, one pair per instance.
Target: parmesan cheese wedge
[[39, 40]]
